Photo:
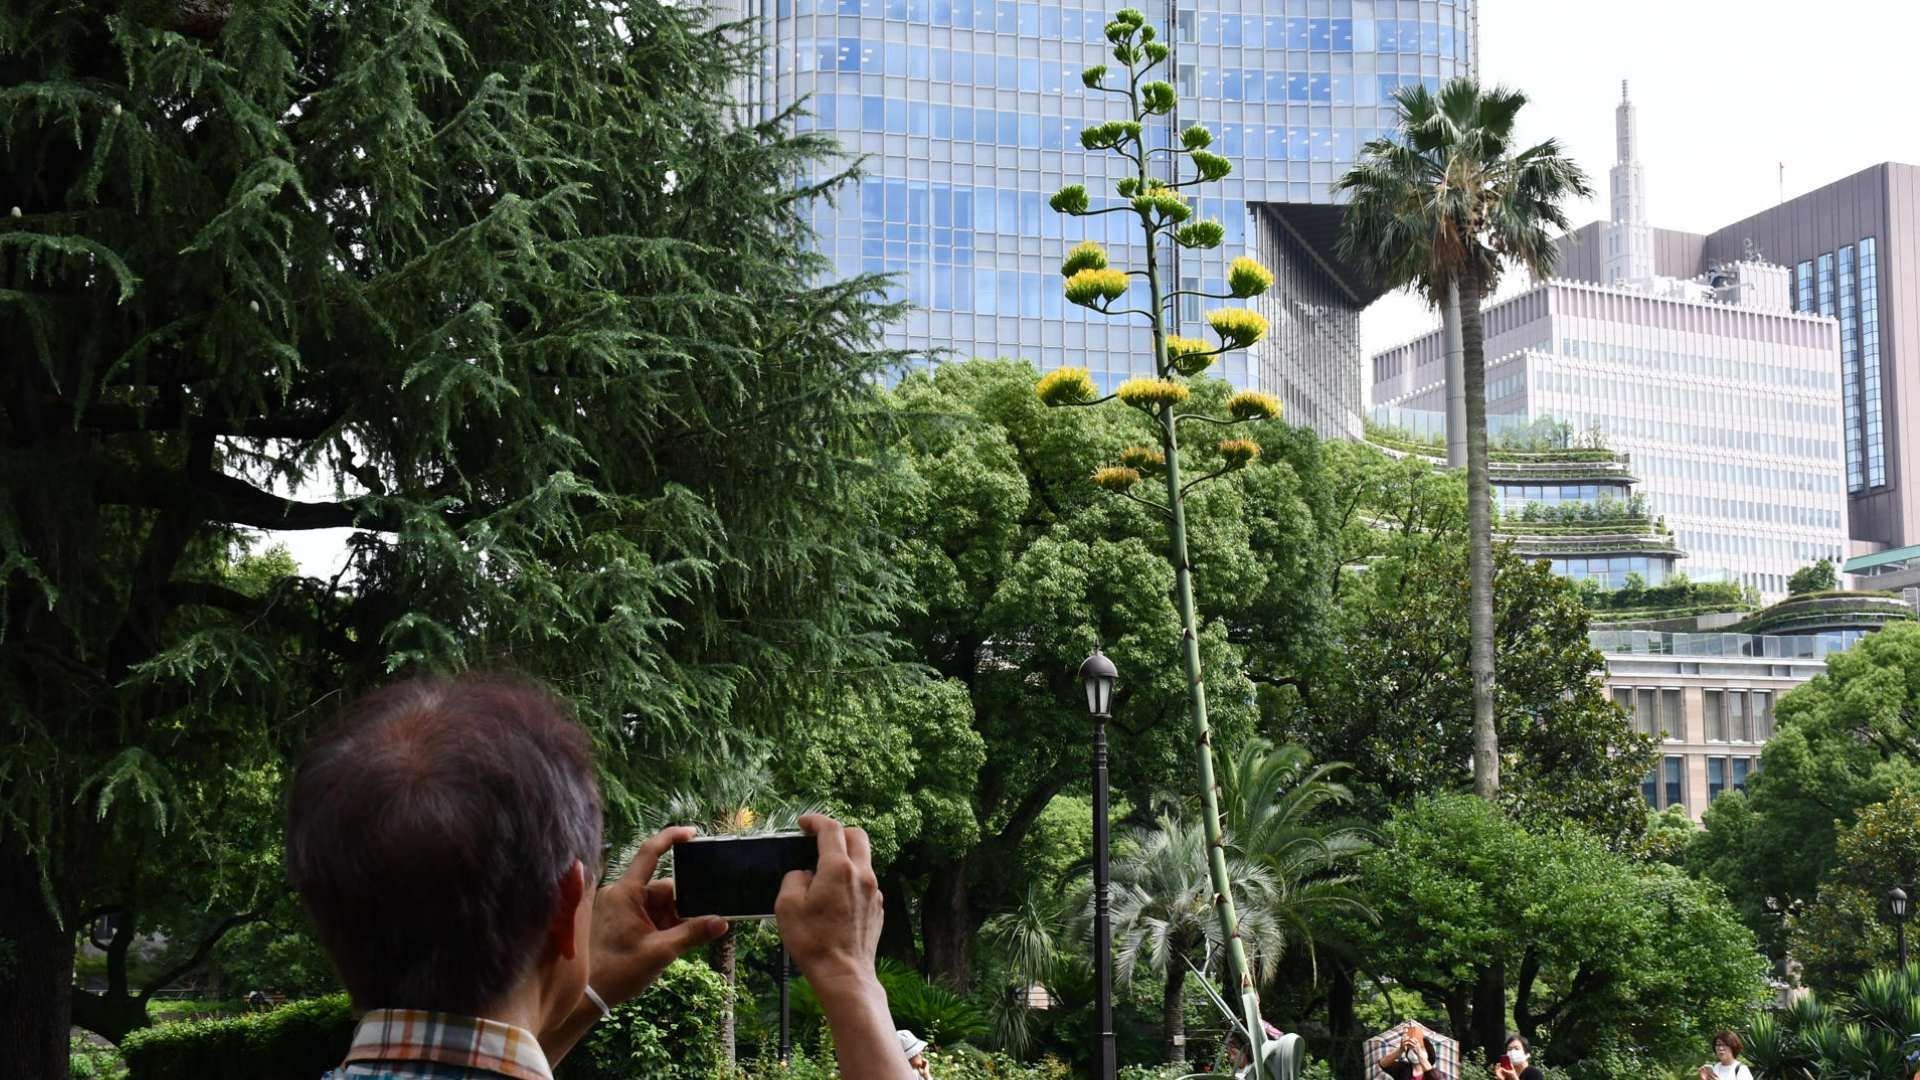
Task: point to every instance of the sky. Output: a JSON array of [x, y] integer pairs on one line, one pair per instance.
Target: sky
[[1727, 91]]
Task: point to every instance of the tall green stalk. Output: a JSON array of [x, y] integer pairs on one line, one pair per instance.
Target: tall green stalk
[[1162, 212]]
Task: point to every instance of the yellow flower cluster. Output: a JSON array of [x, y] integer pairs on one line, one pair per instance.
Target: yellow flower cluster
[[1086, 287], [1253, 405], [1238, 327], [1188, 356], [1238, 452], [1086, 255], [1248, 278], [1149, 393], [1116, 478], [1066, 386], [1145, 459]]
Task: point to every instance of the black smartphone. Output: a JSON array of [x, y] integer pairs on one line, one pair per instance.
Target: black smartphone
[[737, 877]]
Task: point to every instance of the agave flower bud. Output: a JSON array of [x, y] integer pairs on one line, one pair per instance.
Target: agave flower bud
[[1211, 165], [1066, 386], [1246, 277], [1201, 234], [1150, 393], [1189, 356], [1196, 137], [1086, 255], [1253, 405], [1156, 51], [1157, 97], [1147, 32], [1087, 287], [1237, 327], [1071, 199], [1115, 478], [1145, 459], [1093, 75], [1238, 452], [1127, 186], [1164, 201], [1130, 17]]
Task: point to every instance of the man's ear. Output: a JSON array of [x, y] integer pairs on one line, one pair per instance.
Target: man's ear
[[561, 936]]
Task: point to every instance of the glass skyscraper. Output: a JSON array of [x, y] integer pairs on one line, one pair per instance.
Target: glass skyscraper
[[968, 114]]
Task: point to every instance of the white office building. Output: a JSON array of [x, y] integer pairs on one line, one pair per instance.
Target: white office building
[[1726, 399]]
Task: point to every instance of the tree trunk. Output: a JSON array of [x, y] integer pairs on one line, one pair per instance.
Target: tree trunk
[[1486, 741], [1346, 1042], [1173, 1012], [1489, 1034], [36, 993], [1456, 378], [947, 925], [725, 953], [896, 929]]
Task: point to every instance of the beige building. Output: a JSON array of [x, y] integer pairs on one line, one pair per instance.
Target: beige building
[[1712, 697]]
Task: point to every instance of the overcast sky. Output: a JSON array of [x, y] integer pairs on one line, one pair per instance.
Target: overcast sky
[[1727, 91]]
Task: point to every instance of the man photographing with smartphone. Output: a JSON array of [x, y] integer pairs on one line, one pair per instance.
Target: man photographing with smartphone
[[445, 837]]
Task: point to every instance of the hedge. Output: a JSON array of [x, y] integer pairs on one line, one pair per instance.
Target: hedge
[[671, 1031], [295, 1042]]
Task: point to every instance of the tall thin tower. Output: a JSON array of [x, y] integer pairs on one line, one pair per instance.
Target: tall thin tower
[[1630, 240]]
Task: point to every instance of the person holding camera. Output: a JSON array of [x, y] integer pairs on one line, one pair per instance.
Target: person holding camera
[[1726, 1063], [1514, 1062], [445, 838], [1413, 1058]]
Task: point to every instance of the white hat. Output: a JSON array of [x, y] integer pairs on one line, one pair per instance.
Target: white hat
[[911, 1045]]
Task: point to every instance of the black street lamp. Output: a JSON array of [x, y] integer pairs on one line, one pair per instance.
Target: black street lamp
[[1099, 675], [1897, 902]]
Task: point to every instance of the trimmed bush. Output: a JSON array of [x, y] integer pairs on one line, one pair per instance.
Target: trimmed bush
[[296, 1042], [671, 1032]]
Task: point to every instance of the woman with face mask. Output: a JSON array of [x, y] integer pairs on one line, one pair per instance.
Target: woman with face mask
[[1516, 1063]]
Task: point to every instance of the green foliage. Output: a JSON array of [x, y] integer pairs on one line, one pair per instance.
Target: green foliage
[[1819, 577], [671, 1031], [1844, 741], [1395, 694], [90, 1061], [1844, 933], [1843, 1036], [294, 1042], [1605, 954], [1676, 594], [1630, 510], [518, 298], [959, 1064]]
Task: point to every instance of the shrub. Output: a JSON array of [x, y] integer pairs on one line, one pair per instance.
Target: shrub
[[671, 1032], [296, 1042], [89, 1061]]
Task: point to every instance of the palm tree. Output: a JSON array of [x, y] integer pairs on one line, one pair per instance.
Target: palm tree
[[1163, 917], [1441, 206], [1275, 800]]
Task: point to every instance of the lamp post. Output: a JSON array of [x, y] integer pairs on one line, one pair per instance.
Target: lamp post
[[1099, 675], [1897, 903], [786, 1007]]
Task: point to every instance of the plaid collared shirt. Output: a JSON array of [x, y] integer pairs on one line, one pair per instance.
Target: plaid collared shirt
[[408, 1044]]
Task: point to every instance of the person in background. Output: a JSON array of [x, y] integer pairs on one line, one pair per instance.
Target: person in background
[[1239, 1056], [1726, 1064], [1516, 1063], [915, 1048], [1414, 1058], [445, 838]]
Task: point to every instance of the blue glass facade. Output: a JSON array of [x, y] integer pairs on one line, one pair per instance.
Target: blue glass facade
[[968, 115], [1857, 308]]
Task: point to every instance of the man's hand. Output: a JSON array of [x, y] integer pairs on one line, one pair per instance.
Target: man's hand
[[830, 922], [636, 932]]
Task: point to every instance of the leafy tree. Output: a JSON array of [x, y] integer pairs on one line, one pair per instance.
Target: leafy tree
[[1844, 741], [1390, 692], [1819, 577], [507, 288], [1608, 953], [1844, 934], [1442, 205], [1021, 566]]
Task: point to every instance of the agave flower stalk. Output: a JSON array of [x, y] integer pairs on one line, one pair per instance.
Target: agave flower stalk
[[1163, 209]]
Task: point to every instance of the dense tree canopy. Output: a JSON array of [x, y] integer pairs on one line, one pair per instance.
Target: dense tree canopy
[[1844, 741], [507, 288]]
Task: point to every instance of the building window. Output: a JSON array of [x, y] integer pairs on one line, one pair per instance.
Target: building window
[[1675, 792], [1875, 428], [1716, 777], [1742, 768], [1762, 715], [1803, 287], [1739, 719], [1646, 713], [1713, 703], [1672, 715], [1850, 374]]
